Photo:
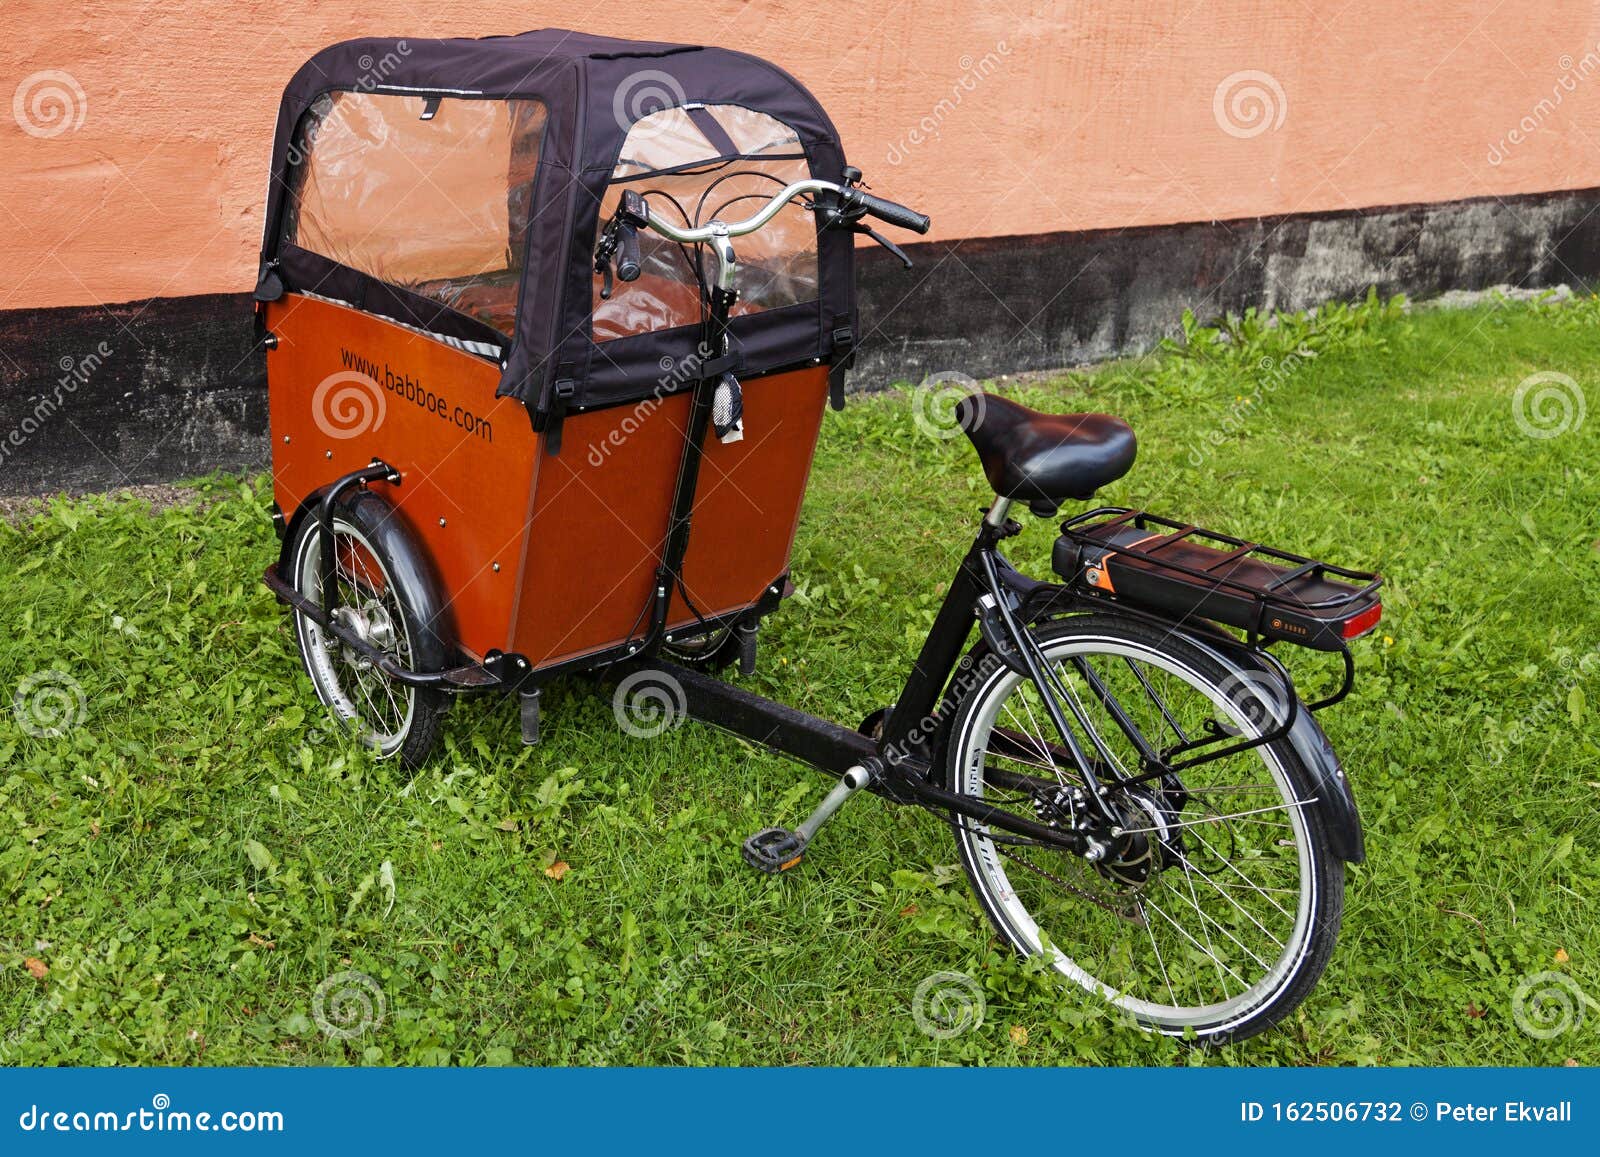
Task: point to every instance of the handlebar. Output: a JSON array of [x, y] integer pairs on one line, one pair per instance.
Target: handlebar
[[628, 265], [850, 199], [892, 213]]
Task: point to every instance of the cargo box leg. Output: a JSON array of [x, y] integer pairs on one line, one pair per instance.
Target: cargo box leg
[[528, 704], [747, 634]]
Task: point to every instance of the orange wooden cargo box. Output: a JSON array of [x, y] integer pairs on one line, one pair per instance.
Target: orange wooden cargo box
[[453, 287]]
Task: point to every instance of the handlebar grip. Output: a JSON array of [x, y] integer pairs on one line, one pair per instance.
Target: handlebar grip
[[628, 267], [895, 214]]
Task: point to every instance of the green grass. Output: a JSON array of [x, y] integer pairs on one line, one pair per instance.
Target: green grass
[[192, 859]]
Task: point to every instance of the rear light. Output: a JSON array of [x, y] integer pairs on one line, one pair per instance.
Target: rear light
[[1358, 625]]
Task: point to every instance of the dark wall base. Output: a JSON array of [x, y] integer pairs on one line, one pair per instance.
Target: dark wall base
[[176, 389], [94, 398], [990, 307]]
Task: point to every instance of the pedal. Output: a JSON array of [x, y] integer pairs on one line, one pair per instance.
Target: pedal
[[774, 850]]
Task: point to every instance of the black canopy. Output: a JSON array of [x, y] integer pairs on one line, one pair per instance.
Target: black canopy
[[584, 83]]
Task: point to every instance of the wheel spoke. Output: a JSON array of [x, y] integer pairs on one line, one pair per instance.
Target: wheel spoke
[[1184, 932]]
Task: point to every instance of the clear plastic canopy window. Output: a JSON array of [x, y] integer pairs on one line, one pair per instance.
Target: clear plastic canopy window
[[692, 164], [436, 204]]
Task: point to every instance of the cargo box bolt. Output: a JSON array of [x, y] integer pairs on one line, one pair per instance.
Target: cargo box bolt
[[441, 522], [496, 568]]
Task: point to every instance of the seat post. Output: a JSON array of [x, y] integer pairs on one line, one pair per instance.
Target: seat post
[[997, 513]]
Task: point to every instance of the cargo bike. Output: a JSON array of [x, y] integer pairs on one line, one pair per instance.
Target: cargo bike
[[551, 321]]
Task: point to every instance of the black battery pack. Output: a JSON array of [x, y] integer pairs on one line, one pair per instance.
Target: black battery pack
[[1178, 571]]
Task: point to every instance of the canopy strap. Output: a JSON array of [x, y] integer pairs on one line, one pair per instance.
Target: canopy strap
[[721, 143]]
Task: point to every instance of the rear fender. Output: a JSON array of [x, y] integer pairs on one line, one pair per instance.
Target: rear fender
[[1336, 799]]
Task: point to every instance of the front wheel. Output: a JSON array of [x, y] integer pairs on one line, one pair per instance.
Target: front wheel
[[1218, 906], [388, 598]]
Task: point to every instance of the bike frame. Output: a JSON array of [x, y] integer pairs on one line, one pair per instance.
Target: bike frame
[[902, 760]]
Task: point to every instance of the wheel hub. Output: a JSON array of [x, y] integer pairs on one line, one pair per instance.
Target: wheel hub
[[1122, 852], [370, 622], [1144, 828]]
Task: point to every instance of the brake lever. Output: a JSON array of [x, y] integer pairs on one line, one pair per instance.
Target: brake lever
[[863, 227], [604, 250], [602, 260]]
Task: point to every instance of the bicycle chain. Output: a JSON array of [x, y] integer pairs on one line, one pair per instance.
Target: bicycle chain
[[1133, 915]]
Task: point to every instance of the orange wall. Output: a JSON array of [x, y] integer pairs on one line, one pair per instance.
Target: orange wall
[[1053, 117]]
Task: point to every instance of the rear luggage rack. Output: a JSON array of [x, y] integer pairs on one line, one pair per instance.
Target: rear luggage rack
[[1180, 571]]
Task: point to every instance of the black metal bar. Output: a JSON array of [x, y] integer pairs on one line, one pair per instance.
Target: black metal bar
[[1344, 687], [823, 744], [1247, 548], [940, 652], [1169, 539], [1291, 698], [713, 344], [1161, 704], [1050, 688], [470, 677], [931, 796], [1289, 576], [328, 589], [763, 721], [1147, 753]]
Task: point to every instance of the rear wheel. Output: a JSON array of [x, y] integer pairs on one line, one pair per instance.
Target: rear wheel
[[1218, 904], [387, 600]]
